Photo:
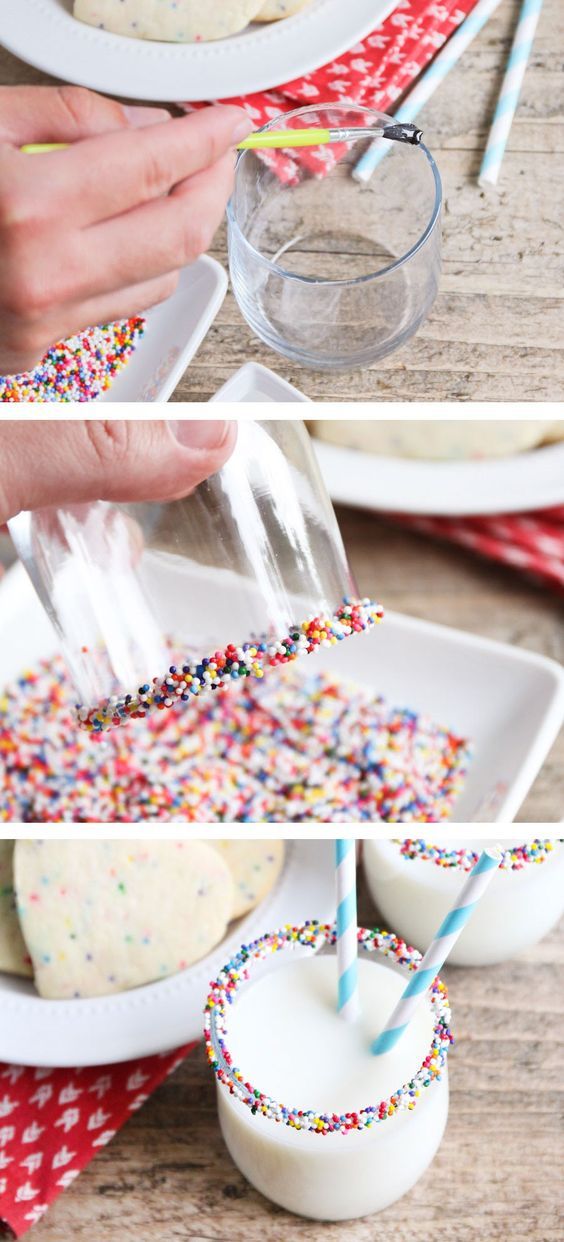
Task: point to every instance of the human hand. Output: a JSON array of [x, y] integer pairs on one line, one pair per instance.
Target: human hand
[[69, 461], [99, 231]]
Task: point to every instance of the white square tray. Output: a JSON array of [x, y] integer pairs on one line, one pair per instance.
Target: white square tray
[[509, 702]]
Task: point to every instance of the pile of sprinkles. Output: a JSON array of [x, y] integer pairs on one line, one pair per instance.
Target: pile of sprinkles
[[287, 749], [79, 369], [223, 992], [514, 858], [182, 682]]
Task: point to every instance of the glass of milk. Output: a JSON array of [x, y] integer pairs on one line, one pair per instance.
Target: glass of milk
[[252, 552], [309, 1115], [415, 884], [332, 274]]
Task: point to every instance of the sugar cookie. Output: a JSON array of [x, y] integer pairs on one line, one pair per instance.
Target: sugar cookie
[[254, 866], [104, 916], [169, 21], [276, 10], [448, 440]]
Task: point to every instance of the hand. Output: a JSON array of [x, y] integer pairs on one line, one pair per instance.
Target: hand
[[99, 231], [65, 462]]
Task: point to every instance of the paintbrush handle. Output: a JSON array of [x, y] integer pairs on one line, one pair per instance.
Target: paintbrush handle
[[262, 140]]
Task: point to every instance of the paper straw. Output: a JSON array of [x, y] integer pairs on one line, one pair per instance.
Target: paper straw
[[428, 82], [438, 950], [347, 946], [510, 91]]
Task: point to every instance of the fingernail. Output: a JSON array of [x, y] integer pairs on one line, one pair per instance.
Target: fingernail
[[140, 117], [243, 128], [196, 433]]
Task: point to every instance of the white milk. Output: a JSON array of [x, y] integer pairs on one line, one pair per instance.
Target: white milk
[[517, 909], [287, 1038]]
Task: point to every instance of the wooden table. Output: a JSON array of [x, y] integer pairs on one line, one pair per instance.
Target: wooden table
[[496, 330], [167, 1175], [436, 582]]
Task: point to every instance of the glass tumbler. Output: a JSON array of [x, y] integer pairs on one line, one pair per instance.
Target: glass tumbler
[[328, 272], [155, 603]]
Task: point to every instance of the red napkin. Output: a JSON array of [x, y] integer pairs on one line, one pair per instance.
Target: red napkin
[[53, 1121], [532, 542], [374, 73]]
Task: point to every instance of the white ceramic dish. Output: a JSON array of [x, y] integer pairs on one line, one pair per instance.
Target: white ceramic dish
[[253, 383], [161, 1015], [525, 481], [510, 702], [44, 33], [175, 330]]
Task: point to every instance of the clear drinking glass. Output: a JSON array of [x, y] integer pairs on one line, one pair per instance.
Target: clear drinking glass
[[251, 553], [328, 272], [270, 1099]]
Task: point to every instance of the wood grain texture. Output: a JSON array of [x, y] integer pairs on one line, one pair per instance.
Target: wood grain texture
[[497, 328], [167, 1175]]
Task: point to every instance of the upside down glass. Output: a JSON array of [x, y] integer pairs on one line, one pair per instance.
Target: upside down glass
[[251, 553], [332, 274]]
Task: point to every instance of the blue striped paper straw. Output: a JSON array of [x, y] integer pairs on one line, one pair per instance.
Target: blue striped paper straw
[[439, 949], [510, 91], [428, 82], [347, 945]]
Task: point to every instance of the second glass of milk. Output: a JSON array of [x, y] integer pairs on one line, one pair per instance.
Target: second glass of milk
[[415, 884], [310, 1116]]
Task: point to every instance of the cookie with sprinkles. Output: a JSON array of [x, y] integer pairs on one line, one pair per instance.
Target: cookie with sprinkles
[[254, 866], [81, 368], [172, 21], [103, 916]]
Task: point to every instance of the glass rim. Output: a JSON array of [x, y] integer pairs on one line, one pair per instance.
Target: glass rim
[[514, 859], [314, 935], [369, 276]]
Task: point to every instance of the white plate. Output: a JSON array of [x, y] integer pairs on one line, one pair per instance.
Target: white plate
[[166, 1014], [44, 33], [253, 383], [508, 701], [533, 480]]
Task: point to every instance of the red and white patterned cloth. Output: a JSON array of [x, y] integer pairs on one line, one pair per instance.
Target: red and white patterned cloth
[[53, 1121], [531, 542], [375, 73]]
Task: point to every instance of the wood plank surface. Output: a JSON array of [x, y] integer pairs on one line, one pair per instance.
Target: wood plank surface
[[497, 328], [167, 1176]]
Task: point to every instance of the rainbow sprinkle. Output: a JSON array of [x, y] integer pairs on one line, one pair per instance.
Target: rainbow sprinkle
[[214, 672], [286, 749], [79, 369], [513, 859], [223, 993]]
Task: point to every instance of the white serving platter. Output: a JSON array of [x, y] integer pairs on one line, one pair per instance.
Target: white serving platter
[[161, 1015], [253, 383], [45, 34], [524, 481], [510, 702]]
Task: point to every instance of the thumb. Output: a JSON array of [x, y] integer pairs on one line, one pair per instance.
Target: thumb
[[65, 462], [65, 114]]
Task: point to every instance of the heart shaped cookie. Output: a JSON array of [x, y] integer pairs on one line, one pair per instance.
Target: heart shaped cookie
[[104, 916]]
